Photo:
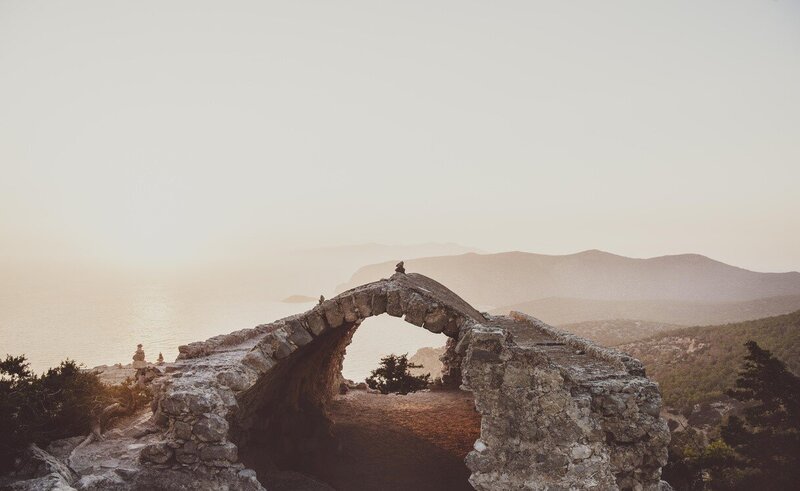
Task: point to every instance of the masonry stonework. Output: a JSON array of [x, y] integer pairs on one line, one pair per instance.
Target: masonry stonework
[[557, 411]]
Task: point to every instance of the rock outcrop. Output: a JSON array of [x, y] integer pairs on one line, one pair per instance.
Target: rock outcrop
[[431, 361], [557, 412]]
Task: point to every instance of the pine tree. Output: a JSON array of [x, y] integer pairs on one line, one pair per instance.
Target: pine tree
[[393, 376], [767, 440]]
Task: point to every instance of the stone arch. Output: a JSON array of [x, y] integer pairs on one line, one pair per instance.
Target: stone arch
[[283, 412], [556, 410]]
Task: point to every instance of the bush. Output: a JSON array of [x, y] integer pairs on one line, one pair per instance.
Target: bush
[[393, 376], [62, 402]]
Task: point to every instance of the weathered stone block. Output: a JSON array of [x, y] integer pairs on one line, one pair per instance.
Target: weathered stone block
[[416, 310], [158, 453], [226, 452], [436, 320], [298, 334], [378, 302], [348, 305], [187, 454], [485, 356], [193, 350], [186, 401], [394, 304], [333, 313], [183, 430], [211, 428], [363, 301], [453, 326], [624, 430], [281, 347], [257, 360], [316, 323], [236, 379]]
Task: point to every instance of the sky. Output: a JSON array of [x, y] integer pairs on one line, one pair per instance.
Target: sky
[[163, 133]]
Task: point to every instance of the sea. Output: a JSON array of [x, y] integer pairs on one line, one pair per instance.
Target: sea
[[101, 324]]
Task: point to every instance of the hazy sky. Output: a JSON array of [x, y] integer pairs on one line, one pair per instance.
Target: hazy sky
[[165, 132]]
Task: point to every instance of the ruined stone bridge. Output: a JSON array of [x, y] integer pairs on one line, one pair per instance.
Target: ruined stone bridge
[[557, 412]]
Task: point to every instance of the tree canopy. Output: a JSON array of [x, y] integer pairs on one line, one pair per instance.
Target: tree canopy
[[393, 376], [760, 449]]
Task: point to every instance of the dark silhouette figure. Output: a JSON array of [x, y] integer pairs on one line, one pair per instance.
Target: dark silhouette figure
[[400, 268]]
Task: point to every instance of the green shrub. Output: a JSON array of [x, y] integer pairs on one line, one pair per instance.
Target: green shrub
[[393, 376], [62, 402]]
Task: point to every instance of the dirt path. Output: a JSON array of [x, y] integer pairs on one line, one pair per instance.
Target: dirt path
[[415, 442]]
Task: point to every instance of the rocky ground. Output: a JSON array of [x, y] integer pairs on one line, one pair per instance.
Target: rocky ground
[[387, 442], [98, 465], [430, 359], [118, 373], [391, 442]]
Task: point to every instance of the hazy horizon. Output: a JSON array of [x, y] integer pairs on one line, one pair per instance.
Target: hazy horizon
[[183, 135]]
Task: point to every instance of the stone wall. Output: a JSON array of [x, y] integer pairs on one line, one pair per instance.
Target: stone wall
[[557, 411], [551, 427], [267, 387]]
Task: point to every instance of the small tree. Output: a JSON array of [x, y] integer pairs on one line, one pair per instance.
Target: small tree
[[393, 376], [767, 440]]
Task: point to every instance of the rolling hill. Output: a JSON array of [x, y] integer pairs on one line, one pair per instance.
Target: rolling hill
[[562, 311], [617, 331], [697, 364], [512, 278]]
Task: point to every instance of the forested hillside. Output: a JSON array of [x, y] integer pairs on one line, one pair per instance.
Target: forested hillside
[[560, 311], [697, 364], [618, 331]]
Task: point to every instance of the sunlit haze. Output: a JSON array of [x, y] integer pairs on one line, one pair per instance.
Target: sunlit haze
[[180, 134]]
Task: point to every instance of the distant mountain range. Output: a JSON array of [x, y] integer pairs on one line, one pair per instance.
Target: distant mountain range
[[594, 285], [311, 272]]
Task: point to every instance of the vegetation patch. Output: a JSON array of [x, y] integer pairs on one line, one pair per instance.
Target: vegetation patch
[[393, 376], [760, 449], [696, 365], [64, 401]]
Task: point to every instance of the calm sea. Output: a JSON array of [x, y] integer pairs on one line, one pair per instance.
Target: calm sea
[[98, 325]]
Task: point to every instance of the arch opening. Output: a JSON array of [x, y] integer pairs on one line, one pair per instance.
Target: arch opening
[[383, 335]]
